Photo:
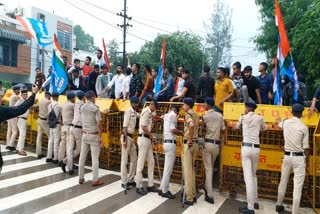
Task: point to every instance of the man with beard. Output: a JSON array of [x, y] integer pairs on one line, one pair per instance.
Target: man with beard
[[117, 81], [86, 69], [251, 87]]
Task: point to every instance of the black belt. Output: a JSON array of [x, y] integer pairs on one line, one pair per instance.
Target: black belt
[[130, 135], [144, 135], [23, 118], [251, 144], [212, 141], [76, 126], [294, 153], [170, 141], [41, 118], [186, 141]]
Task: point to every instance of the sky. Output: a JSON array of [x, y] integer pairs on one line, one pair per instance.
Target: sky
[[150, 18]]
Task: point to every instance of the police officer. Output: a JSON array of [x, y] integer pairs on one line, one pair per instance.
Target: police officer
[[145, 148], [212, 127], [43, 126], [170, 133], [54, 133], [12, 131], [190, 149], [128, 146], [67, 117], [296, 157], [91, 137], [22, 125], [75, 135], [251, 125]]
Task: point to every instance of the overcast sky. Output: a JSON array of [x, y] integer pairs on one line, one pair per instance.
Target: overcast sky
[[166, 15]]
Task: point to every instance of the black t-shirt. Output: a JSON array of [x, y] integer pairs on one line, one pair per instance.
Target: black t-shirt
[[252, 84], [191, 89], [206, 86], [317, 93]]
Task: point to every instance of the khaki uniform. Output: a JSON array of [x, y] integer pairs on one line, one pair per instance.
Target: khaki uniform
[[90, 116], [43, 126], [214, 124], [67, 117], [129, 122], [54, 133], [75, 136], [12, 131], [22, 126], [145, 149], [189, 154], [296, 139], [251, 125]]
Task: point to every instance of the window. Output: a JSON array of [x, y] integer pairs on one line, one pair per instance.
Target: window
[[8, 52], [64, 39]]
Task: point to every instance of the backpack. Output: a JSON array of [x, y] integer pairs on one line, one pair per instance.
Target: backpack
[[52, 118]]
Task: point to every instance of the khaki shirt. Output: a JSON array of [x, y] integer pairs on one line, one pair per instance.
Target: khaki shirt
[[145, 120], [296, 135], [77, 116], [214, 124], [57, 109], [130, 120], [169, 122], [19, 102], [251, 125], [13, 99], [191, 116], [67, 112], [43, 108], [90, 116]]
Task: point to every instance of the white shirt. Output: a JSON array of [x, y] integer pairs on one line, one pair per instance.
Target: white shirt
[[180, 86], [76, 82], [117, 80], [100, 62], [169, 122], [126, 85]]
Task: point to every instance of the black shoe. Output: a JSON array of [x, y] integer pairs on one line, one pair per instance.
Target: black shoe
[[160, 193], [126, 187], [152, 189], [279, 209], [63, 167], [256, 206], [195, 200], [168, 195], [11, 148], [71, 172], [60, 163], [209, 200], [189, 203], [55, 161], [131, 184], [40, 156], [48, 160], [140, 191], [245, 210], [75, 167], [205, 192]]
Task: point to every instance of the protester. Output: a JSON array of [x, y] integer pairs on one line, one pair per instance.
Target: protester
[[266, 84], [206, 85]]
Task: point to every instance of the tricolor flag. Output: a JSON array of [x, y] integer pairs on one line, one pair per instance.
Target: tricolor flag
[[37, 29], [286, 63], [106, 58], [59, 78], [157, 85]]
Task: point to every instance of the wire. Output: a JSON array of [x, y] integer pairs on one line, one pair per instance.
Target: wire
[[151, 26]]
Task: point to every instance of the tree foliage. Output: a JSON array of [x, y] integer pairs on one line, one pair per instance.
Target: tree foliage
[[302, 21], [219, 35], [113, 53], [183, 48], [84, 41]]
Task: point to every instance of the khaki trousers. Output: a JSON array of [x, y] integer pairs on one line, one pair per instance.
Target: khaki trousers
[[22, 126], [12, 131], [145, 154], [53, 144], [170, 156], [189, 175], [209, 155], [43, 127], [65, 135], [250, 161], [89, 142], [75, 138], [298, 164], [130, 150]]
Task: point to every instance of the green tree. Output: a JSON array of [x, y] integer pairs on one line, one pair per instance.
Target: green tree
[[219, 35], [113, 54], [84, 41], [183, 48]]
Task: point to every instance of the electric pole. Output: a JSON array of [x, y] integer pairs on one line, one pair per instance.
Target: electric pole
[[124, 26]]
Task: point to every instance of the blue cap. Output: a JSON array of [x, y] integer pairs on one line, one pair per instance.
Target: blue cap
[[189, 101], [16, 87], [297, 107], [80, 94], [209, 101], [251, 105], [134, 99], [103, 66], [55, 94], [70, 94]]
